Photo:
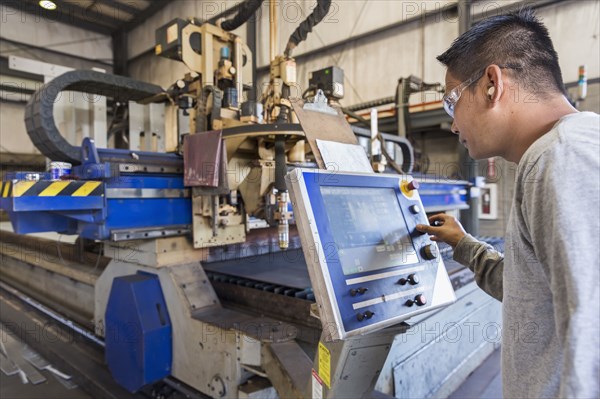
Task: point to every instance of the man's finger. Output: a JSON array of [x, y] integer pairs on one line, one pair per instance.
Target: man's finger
[[440, 217], [426, 229]]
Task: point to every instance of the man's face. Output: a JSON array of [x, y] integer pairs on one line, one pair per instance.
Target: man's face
[[474, 120]]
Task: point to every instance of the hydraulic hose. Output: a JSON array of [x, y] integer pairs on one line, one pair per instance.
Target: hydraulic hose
[[302, 31], [246, 11]]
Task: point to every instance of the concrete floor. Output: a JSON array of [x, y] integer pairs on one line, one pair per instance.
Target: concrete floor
[[12, 388], [484, 383]]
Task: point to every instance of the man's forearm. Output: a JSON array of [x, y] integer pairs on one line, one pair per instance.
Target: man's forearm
[[484, 261]]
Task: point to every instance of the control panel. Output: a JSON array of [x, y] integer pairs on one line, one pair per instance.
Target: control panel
[[369, 266]]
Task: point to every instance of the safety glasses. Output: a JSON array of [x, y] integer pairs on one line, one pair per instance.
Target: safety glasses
[[449, 100]]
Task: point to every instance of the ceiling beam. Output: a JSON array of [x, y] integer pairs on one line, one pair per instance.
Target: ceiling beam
[[73, 20], [125, 7], [73, 9], [141, 17]]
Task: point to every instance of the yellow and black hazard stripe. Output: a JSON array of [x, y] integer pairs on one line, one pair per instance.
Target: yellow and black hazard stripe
[[5, 189], [64, 188]]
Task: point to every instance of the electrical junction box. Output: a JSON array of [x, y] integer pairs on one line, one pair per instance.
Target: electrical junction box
[[330, 80], [169, 40]]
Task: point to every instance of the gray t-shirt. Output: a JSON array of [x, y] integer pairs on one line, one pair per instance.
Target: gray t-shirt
[[548, 279]]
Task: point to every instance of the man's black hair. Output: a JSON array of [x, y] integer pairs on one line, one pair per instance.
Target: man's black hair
[[517, 40]]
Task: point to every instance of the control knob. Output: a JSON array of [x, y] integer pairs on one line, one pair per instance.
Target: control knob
[[414, 209], [412, 279], [420, 300], [429, 251]]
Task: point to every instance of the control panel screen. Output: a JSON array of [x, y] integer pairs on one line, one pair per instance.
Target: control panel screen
[[368, 228]]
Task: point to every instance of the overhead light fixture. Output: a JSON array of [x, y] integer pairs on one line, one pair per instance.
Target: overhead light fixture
[[47, 4]]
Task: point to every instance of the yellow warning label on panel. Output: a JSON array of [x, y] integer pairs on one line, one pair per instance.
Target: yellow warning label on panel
[[53, 189], [325, 364], [86, 189], [22, 186]]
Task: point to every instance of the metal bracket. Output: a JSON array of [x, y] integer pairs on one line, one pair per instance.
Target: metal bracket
[[319, 104]]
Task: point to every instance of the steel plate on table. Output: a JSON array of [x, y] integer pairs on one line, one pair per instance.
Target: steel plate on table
[[287, 268]]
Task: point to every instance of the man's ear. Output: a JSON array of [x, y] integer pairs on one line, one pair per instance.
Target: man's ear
[[495, 85]]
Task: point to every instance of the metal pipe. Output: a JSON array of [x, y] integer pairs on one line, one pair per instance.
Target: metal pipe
[[53, 315], [469, 167], [371, 104], [375, 144], [251, 42], [273, 42], [237, 63]]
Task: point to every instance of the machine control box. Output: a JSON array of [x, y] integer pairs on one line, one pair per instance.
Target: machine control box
[[369, 267], [330, 80], [169, 40]]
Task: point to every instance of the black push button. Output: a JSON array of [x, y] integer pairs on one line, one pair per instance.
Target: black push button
[[420, 300]]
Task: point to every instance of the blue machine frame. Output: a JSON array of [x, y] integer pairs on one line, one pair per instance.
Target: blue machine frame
[[131, 205], [114, 201]]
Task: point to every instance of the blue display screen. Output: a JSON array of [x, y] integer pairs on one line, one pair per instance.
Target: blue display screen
[[368, 228]]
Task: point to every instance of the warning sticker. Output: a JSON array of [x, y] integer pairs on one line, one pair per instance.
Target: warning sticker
[[325, 364], [317, 386]]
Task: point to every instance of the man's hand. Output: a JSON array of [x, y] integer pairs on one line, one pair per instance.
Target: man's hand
[[444, 228]]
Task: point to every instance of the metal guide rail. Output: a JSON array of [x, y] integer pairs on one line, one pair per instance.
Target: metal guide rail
[[135, 205]]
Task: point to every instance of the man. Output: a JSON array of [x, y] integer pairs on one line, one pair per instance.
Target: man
[[506, 95]]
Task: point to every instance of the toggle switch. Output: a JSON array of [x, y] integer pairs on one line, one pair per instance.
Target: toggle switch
[[358, 291], [366, 315]]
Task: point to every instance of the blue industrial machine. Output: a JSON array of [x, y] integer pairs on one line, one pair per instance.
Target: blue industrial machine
[[158, 312]]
